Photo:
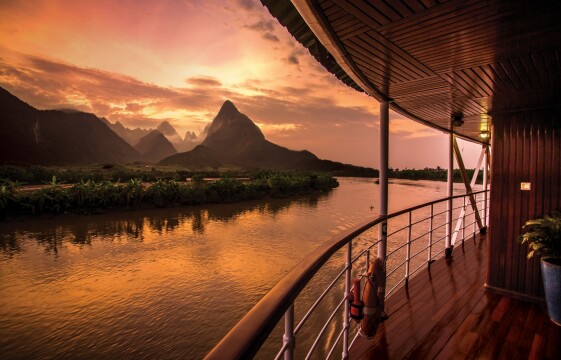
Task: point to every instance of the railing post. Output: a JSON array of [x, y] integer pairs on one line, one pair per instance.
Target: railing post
[[464, 221], [408, 259], [429, 257], [474, 223], [383, 179], [346, 315], [450, 192], [288, 337]]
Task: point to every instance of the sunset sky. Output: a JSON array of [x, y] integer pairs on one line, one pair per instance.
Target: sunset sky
[[141, 62]]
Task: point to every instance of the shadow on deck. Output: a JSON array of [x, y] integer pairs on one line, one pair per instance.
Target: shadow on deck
[[446, 314]]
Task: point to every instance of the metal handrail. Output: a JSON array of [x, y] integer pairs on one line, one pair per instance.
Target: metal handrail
[[248, 335]]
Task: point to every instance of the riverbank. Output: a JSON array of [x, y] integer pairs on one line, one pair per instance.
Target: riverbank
[[90, 196], [41, 175]]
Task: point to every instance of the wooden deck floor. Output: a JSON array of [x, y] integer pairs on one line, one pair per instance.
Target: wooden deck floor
[[446, 314]]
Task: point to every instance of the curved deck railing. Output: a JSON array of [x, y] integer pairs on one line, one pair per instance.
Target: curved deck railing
[[246, 338]]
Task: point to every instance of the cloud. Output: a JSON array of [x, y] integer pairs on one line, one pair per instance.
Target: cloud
[[294, 91], [134, 107], [265, 28], [262, 25], [61, 77], [51, 84], [283, 130], [48, 83], [246, 4], [292, 59], [270, 37], [203, 81]]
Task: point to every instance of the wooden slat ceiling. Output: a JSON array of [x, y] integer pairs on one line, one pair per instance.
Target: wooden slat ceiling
[[435, 58]]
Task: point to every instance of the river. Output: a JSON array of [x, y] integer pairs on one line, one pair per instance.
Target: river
[[164, 283]]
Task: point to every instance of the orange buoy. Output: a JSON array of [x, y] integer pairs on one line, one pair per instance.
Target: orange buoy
[[357, 304], [372, 300]]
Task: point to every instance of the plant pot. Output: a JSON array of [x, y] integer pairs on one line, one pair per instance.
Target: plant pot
[[551, 274]]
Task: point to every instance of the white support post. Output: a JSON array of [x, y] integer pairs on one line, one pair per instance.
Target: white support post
[[450, 193], [383, 179], [485, 186], [408, 258], [429, 256], [464, 221]]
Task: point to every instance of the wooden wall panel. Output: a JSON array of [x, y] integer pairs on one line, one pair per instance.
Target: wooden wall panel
[[526, 148]]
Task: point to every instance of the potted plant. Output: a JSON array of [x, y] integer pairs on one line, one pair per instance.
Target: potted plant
[[543, 237]]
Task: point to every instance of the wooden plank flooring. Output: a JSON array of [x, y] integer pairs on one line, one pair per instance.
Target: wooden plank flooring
[[446, 314]]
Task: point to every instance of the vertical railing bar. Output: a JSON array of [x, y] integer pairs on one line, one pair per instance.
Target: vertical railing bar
[[430, 233], [384, 121], [464, 222], [288, 338], [408, 259], [488, 197], [346, 323], [475, 217]]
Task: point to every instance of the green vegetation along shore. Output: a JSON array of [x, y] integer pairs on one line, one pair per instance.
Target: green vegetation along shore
[[92, 195], [437, 174], [40, 175]]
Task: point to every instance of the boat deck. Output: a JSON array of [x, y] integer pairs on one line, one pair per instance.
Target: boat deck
[[446, 314]]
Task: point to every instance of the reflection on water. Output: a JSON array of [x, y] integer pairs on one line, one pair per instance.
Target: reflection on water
[[81, 229], [165, 283]]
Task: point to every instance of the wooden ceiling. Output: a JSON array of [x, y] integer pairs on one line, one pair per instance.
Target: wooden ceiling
[[435, 58]]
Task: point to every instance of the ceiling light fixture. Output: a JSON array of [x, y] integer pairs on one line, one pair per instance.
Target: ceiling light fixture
[[457, 119]]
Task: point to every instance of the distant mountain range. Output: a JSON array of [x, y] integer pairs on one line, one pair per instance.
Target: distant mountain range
[[69, 137], [154, 147], [133, 136], [234, 141]]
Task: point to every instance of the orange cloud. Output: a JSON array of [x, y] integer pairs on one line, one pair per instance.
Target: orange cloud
[[203, 81]]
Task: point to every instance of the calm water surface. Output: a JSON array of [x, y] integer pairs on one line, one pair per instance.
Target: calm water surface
[[163, 283]]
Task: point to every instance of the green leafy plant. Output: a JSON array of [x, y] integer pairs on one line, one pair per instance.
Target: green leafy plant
[[8, 191], [133, 192], [543, 236]]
